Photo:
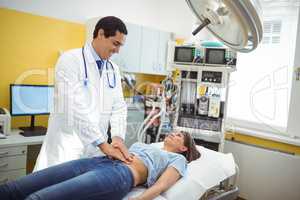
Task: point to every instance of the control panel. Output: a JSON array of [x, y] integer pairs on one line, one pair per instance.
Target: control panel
[[211, 77]]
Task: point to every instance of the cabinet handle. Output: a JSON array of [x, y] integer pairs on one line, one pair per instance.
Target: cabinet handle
[[159, 67], [154, 66], [3, 165], [3, 153], [4, 180], [297, 74]]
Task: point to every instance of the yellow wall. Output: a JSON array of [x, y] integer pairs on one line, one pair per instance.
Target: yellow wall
[[30, 44], [142, 80], [265, 143]]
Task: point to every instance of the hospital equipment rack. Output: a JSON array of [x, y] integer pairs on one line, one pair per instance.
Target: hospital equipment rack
[[209, 130]]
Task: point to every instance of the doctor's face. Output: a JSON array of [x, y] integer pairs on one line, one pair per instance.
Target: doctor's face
[[110, 45]]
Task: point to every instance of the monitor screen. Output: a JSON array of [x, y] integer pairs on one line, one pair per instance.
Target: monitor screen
[[31, 99], [184, 54], [215, 56]]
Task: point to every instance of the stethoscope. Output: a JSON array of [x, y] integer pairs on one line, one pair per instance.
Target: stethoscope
[[108, 80]]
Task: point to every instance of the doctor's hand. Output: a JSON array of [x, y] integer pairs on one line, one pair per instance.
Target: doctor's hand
[[118, 143], [112, 152]]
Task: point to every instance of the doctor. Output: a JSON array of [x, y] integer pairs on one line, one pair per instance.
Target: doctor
[[88, 97]]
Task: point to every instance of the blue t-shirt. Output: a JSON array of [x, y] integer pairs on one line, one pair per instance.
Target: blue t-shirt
[[158, 160]]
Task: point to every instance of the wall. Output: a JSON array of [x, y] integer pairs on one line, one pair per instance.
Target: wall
[[29, 48], [294, 112], [142, 85], [169, 15], [265, 174]]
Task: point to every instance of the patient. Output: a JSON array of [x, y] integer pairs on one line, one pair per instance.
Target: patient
[[102, 178]]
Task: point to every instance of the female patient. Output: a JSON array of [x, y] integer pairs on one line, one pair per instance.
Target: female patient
[[103, 178]]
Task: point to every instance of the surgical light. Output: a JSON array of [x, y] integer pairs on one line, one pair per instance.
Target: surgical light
[[236, 23]]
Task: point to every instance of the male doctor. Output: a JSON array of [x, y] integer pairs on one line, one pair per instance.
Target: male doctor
[[88, 97]]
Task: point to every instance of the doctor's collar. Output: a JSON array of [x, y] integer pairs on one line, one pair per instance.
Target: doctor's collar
[[95, 55]]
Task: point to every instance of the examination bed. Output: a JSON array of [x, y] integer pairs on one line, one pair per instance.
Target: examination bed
[[211, 177]]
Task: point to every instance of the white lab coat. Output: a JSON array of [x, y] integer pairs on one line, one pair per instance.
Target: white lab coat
[[81, 113]]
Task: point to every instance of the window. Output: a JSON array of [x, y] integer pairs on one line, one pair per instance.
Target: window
[[260, 89], [272, 30]]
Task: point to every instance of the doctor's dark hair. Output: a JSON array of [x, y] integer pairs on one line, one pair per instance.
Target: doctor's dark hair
[[110, 26], [192, 153]]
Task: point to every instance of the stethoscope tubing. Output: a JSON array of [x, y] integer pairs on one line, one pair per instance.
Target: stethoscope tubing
[[86, 76]]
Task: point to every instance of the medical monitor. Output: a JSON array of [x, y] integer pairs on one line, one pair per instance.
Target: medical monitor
[[184, 54], [31, 100], [215, 56]]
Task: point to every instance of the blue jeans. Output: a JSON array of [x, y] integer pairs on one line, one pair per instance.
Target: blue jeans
[[95, 178]]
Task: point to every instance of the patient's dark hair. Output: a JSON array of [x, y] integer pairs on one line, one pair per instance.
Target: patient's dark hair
[[192, 153]]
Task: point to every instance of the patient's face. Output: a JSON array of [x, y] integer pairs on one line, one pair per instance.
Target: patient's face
[[176, 140]]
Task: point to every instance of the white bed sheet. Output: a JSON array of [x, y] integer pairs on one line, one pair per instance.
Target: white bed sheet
[[137, 191]]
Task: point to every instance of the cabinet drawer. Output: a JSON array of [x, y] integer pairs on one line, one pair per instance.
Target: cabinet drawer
[[12, 162], [11, 151], [11, 175]]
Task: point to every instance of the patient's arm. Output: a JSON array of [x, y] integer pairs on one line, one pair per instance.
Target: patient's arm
[[164, 182]]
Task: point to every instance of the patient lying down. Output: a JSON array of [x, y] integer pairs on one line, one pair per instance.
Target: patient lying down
[[101, 178]]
